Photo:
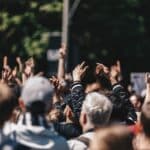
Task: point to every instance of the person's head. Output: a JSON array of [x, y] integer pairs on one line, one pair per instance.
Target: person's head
[[145, 119], [6, 103], [36, 95], [96, 111], [112, 138], [16, 89], [104, 81]]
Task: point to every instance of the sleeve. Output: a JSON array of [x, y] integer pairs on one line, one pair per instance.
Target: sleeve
[[77, 98], [68, 131], [125, 105]]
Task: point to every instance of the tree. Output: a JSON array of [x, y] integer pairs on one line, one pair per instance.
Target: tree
[[25, 26]]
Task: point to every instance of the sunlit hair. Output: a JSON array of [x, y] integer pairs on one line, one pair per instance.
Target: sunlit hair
[[98, 108]]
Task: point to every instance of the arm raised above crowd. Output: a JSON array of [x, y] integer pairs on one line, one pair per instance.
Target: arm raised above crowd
[[77, 90], [115, 73], [147, 98], [61, 62], [79, 72]]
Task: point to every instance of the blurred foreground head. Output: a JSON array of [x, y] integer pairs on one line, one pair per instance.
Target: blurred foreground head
[[145, 119], [36, 95], [112, 138], [96, 111], [6, 103]]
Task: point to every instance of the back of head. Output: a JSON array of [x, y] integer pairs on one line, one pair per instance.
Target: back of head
[[36, 94], [104, 81], [98, 108], [6, 103], [112, 138], [16, 89]]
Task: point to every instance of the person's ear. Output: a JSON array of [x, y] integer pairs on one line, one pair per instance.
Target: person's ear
[[21, 104], [83, 119]]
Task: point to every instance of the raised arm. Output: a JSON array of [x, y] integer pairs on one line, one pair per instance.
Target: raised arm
[[147, 97], [122, 104], [5, 61], [28, 70], [61, 62], [115, 73], [77, 90], [6, 71], [19, 62]]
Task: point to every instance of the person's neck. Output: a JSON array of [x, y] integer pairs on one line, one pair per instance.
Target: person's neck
[[105, 91], [33, 120], [87, 127]]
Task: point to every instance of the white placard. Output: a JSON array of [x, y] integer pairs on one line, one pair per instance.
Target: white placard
[[138, 81], [52, 55]]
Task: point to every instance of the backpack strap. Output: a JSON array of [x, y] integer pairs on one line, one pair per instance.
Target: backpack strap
[[84, 140]]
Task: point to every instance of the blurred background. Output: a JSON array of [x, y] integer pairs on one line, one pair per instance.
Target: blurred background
[[98, 30]]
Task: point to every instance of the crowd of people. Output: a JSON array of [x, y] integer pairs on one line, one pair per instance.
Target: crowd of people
[[87, 109]]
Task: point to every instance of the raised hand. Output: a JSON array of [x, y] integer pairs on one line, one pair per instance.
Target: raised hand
[[147, 78], [62, 51], [29, 67], [79, 71], [101, 68], [30, 62], [28, 70], [19, 62], [5, 61], [54, 80], [14, 72], [115, 72], [118, 66], [6, 71], [61, 62], [147, 97]]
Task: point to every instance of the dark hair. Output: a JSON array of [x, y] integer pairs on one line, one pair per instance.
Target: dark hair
[[104, 81], [37, 108], [16, 89], [102, 78]]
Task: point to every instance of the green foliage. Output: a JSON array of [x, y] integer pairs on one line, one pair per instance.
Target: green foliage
[[25, 26], [54, 7], [102, 27]]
